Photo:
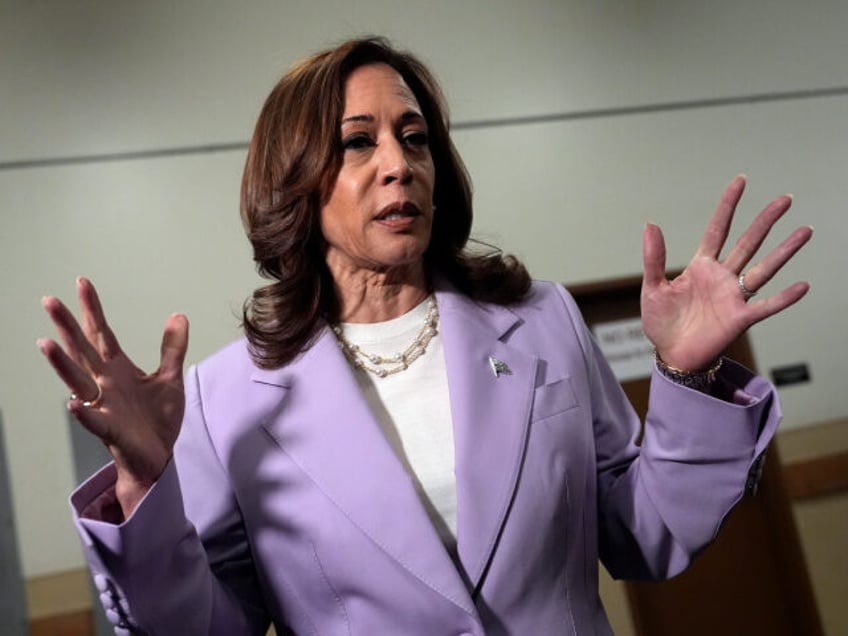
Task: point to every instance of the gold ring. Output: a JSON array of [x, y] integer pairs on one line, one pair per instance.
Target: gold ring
[[90, 404]]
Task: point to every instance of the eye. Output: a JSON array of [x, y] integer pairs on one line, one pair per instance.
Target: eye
[[416, 138], [358, 141]]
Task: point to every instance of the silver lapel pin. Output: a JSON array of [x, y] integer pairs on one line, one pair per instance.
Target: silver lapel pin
[[499, 368]]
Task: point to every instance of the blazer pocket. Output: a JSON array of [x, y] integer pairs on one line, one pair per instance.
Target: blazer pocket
[[555, 397]]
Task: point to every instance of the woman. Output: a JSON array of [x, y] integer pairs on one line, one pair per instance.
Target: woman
[[411, 439]]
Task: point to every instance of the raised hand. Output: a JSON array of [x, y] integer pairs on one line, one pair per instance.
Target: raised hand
[[137, 415], [693, 318]]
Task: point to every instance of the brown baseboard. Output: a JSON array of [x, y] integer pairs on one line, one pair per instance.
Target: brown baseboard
[[817, 476], [79, 623]]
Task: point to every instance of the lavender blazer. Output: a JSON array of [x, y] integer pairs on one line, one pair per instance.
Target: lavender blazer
[[285, 502]]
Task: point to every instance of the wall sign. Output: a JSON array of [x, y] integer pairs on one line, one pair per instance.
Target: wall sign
[[624, 345]]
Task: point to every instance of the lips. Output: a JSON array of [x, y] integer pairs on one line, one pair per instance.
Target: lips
[[398, 211]]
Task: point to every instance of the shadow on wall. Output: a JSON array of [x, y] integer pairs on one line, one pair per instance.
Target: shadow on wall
[[13, 607]]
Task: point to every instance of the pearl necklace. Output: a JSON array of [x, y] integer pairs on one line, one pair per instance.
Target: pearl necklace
[[383, 366]]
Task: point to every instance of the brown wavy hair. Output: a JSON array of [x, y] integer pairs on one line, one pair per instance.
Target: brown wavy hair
[[294, 158]]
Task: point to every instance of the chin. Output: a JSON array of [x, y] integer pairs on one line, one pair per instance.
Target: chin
[[406, 260], [406, 251]]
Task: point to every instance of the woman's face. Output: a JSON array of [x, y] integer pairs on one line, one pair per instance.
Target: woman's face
[[380, 212]]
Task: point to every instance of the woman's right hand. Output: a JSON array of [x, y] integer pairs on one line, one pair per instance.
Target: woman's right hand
[[138, 415]]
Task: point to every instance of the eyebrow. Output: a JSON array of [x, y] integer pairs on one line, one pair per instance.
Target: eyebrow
[[409, 115]]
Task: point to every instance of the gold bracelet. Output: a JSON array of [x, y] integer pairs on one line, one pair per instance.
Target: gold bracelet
[[700, 380]]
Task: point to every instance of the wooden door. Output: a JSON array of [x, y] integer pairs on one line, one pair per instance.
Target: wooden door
[[752, 580]]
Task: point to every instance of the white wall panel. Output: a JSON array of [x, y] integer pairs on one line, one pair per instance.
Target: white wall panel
[[571, 199], [95, 76]]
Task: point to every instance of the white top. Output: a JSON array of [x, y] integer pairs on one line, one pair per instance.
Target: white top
[[413, 409]]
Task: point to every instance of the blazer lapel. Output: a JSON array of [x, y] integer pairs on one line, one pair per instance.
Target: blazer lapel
[[327, 428], [491, 393]]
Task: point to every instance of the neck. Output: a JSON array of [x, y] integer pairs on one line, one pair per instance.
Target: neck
[[375, 296]]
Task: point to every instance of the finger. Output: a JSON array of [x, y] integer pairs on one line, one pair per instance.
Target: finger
[[94, 320], [653, 256], [174, 347], [93, 419], [764, 270], [77, 379], [752, 238], [78, 347], [762, 309], [719, 225]]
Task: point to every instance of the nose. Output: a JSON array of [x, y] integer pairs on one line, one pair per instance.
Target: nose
[[394, 163]]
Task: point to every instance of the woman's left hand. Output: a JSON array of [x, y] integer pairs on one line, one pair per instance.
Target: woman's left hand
[[693, 318]]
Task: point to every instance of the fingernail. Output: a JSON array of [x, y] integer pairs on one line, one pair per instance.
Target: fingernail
[[742, 176], [790, 195]]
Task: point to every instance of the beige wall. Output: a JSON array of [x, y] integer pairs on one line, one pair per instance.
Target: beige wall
[[569, 196], [823, 526], [822, 520]]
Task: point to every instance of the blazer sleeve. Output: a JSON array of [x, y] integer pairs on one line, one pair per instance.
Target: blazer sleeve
[[663, 501], [159, 573]]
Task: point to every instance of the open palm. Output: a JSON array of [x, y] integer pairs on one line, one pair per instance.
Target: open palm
[[137, 415], [692, 318]]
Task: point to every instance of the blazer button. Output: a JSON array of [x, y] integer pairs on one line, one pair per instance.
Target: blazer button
[[755, 474], [113, 617], [107, 600], [101, 582]]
